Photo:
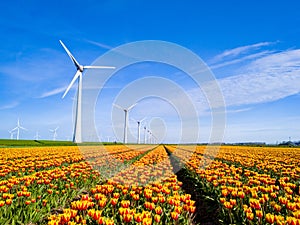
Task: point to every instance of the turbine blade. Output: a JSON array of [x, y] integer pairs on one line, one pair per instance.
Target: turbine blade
[[118, 106], [143, 119], [134, 120], [77, 74], [23, 128], [70, 55], [99, 67], [130, 107], [14, 129]]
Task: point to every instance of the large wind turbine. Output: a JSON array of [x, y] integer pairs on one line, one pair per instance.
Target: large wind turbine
[[17, 128], [138, 129], [126, 110], [78, 75], [54, 133]]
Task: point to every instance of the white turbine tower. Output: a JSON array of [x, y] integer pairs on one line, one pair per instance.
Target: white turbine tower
[[149, 137], [11, 134], [54, 133], [78, 75], [126, 110], [37, 136], [154, 139], [138, 129], [145, 129], [17, 128]]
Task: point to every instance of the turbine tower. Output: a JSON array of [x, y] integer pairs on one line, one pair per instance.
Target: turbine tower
[[145, 129], [17, 128], [154, 139], [126, 110], [11, 134], [149, 137], [138, 129], [78, 75], [37, 136], [54, 133]]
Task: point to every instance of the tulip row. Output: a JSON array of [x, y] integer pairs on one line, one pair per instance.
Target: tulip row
[[147, 192], [28, 193], [18, 162], [251, 185]]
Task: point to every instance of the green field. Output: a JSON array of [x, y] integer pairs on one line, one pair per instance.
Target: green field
[[33, 143], [36, 143]]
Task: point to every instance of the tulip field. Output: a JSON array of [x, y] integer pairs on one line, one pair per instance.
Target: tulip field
[[149, 184]]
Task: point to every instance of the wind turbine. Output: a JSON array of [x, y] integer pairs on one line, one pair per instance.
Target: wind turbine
[[126, 110], [17, 128], [78, 75], [138, 129], [145, 129], [54, 133], [37, 136], [154, 139], [11, 134], [149, 138]]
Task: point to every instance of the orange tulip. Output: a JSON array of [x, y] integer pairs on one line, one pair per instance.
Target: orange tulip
[[138, 217], [270, 218], [8, 201], [157, 218], [249, 215], [174, 215]]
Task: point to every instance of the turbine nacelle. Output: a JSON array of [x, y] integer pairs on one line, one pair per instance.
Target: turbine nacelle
[[80, 68]]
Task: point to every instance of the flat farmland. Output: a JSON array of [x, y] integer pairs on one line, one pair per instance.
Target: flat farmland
[[149, 184]]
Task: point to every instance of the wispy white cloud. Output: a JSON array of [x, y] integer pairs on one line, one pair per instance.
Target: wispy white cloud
[[115, 50], [239, 50], [239, 110], [9, 105], [42, 65], [238, 60], [99, 44], [52, 92], [270, 78]]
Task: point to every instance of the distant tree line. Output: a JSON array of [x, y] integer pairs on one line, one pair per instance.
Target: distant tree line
[[289, 143]]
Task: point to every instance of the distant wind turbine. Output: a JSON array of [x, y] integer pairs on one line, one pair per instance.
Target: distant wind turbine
[[138, 129], [149, 138], [126, 110], [154, 139], [17, 128], [145, 129], [54, 133], [37, 136], [11, 134], [78, 75]]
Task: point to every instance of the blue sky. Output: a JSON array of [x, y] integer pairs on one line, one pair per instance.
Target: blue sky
[[252, 47]]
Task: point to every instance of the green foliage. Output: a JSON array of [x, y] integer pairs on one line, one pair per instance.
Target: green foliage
[[33, 143]]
